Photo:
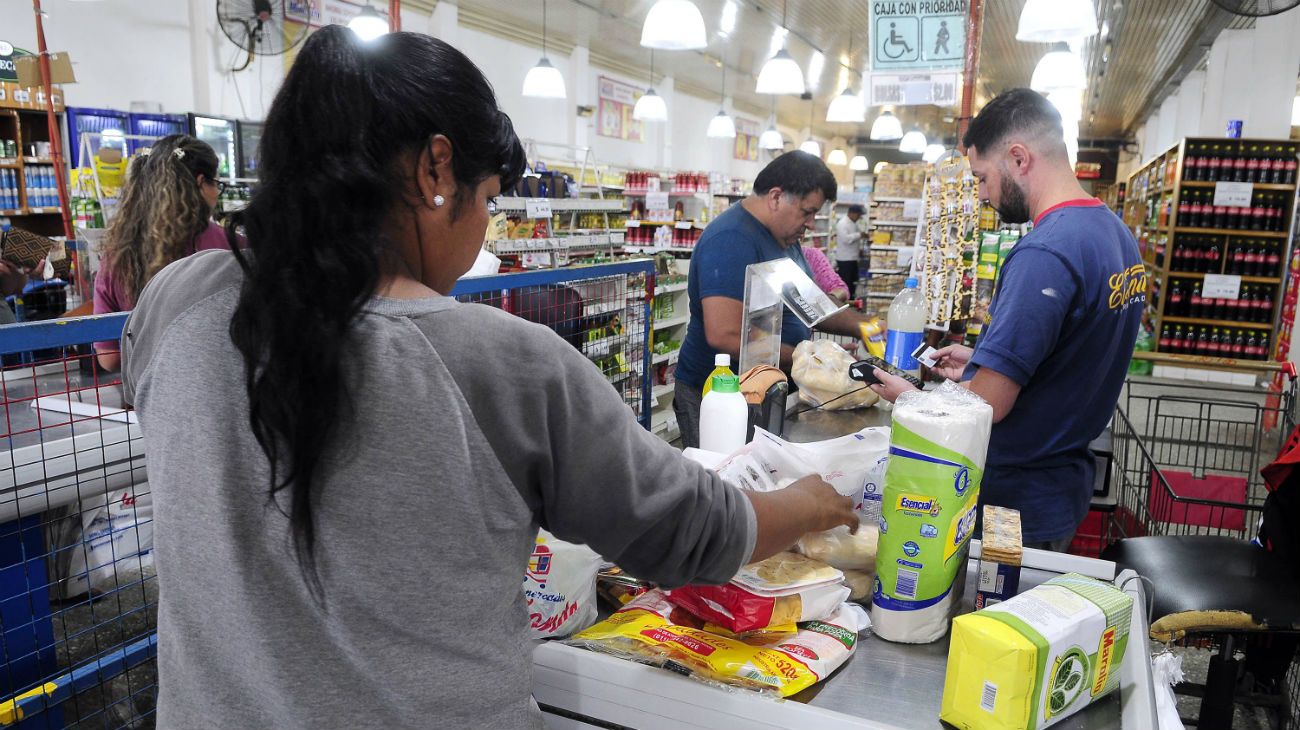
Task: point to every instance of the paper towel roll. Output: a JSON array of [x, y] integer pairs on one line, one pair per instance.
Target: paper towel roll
[[938, 444]]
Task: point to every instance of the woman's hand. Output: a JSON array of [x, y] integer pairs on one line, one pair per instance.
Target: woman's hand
[[951, 361], [12, 278]]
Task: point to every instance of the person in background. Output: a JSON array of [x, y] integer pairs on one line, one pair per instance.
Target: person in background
[[12, 280], [767, 225], [848, 246], [825, 276], [1064, 319], [164, 214], [347, 465]]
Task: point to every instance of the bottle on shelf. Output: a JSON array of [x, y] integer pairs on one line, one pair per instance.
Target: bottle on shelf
[[1239, 165], [1192, 164], [1174, 305], [1195, 304], [1213, 164], [1289, 165], [1252, 163], [1273, 260], [1211, 256], [1166, 342], [1202, 342], [1237, 308]]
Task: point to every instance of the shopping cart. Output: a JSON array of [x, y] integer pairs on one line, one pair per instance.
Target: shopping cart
[[1186, 462], [78, 595]]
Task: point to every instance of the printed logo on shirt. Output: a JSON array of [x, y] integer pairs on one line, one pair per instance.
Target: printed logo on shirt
[[1128, 287]]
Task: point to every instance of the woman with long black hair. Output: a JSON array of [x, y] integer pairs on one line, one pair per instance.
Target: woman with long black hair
[[348, 466]]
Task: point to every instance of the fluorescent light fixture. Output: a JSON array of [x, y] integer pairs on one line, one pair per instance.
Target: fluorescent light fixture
[[887, 127], [544, 81], [728, 21], [815, 66], [1048, 21], [368, 24], [674, 25], [780, 75], [914, 143], [771, 139], [859, 163], [1295, 112], [932, 152], [650, 107], [722, 126], [837, 158], [1060, 70], [812, 147], [847, 107]]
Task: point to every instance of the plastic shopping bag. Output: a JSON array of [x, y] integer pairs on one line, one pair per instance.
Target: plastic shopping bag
[[821, 370], [560, 587], [115, 543]]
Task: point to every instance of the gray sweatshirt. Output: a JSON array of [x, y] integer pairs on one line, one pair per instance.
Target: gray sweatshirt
[[471, 428]]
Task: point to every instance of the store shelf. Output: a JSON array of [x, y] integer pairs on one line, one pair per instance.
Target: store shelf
[[1244, 279], [1217, 322], [1258, 186], [889, 247], [672, 322], [15, 211], [823, 234], [1228, 232], [40, 211], [595, 310], [38, 160], [653, 250], [601, 347], [880, 295], [887, 272], [670, 288], [560, 243], [669, 357], [9, 164], [671, 193], [893, 200], [895, 224], [660, 391], [733, 196], [564, 205]]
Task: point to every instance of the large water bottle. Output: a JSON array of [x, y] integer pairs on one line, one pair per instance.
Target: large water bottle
[[906, 322]]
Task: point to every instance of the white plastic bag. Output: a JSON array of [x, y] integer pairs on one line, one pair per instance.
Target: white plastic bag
[[115, 544], [1166, 671], [841, 549], [855, 466], [821, 370], [560, 586]]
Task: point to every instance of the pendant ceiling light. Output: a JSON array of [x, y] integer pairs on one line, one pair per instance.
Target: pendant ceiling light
[[674, 25], [859, 163], [650, 107], [544, 81], [837, 158], [1060, 70], [781, 74], [721, 125], [886, 128], [847, 108], [1048, 21], [771, 139], [368, 24], [1069, 104], [914, 142], [932, 152], [810, 145]]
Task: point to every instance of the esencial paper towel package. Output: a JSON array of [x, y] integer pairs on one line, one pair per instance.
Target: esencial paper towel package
[[937, 447], [1038, 658]]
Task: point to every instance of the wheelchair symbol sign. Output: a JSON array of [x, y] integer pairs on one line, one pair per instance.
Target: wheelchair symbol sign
[[898, 41]]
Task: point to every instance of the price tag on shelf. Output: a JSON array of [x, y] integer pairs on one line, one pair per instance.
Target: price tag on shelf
[[905, 257], [683, 225], [633, 223], [1233, 194], [912, 209], [616, 238], [537, 208], [656, 201], [1219, 286]]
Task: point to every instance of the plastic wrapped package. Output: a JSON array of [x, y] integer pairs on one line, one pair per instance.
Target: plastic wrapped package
[[741, 611], [842, 549], [653, 631], [859, 583], [821, 370]]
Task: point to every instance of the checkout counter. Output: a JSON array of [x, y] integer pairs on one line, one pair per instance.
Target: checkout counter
[[883, 686]]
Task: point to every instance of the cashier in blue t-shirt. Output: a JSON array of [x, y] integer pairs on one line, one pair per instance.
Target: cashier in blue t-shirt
[[767, 225], [1063, 321]]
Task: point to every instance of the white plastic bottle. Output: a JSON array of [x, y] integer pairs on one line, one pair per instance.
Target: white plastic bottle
[[906, 322], [724, 416]]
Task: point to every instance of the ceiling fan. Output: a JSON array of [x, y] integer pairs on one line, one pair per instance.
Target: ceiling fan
[[1257, 8]]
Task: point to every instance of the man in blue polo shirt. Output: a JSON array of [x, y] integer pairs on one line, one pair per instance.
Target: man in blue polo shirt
[[767, 225], [1063, 321]]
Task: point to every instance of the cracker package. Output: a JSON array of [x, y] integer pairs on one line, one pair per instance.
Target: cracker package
[[1037, 658], [652, 631]]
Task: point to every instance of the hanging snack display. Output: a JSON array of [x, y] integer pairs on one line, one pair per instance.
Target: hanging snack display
[[946, 261]]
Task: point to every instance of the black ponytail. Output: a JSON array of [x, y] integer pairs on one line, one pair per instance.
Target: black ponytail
[[346, 116]]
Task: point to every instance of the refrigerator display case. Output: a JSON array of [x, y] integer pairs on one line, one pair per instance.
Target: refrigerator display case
[[223, 135], [250, 137], [154, 125], [110, 123]]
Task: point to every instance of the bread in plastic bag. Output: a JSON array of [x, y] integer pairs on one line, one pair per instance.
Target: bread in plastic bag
[[841, 549], [741, 611], [560, 587], [821, 370], [652, 631], [860, 583]]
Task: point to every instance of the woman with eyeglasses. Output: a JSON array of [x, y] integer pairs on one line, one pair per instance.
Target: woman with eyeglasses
[[349, 466], [164, 214]]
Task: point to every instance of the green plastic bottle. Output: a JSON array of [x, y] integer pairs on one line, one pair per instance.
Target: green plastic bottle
[[721, 366]]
